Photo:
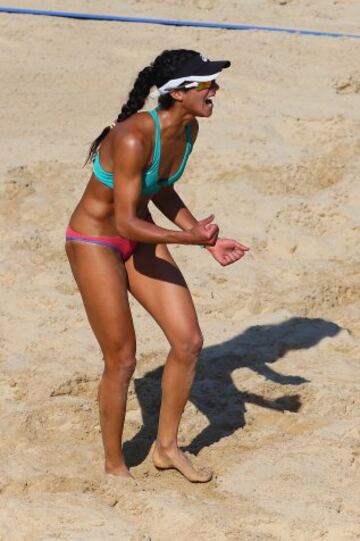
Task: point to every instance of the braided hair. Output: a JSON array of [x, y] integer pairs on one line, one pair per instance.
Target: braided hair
[[157, 73]]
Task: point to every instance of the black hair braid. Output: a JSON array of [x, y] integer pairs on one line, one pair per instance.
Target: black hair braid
[[95, 144], [136, 100], [164, 67], [138, 94]]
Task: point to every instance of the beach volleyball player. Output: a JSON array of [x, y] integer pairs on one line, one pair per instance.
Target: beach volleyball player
[[114, 246]]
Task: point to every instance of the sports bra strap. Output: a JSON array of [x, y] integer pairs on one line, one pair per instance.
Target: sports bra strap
[[188, 131], [156, 151]]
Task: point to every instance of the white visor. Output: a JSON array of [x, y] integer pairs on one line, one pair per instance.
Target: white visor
[[184, 82]]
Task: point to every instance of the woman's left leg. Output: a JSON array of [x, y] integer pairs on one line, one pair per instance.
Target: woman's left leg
[[157, 283]]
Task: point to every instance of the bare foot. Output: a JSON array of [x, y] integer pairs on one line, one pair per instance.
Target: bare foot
[[165, 459], [119, 471]]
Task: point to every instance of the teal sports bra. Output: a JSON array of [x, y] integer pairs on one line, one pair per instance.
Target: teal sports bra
[[150, 181]]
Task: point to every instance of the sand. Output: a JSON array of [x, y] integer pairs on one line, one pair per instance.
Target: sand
[[275, 406]]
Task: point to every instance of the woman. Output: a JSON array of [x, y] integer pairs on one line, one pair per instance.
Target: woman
[[114, 246]]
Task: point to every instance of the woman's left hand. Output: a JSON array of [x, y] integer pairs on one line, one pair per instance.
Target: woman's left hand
[[227, 251]]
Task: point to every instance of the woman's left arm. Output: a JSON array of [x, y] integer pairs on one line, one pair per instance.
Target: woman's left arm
[[174, 208], [225, 251], [171, 204]]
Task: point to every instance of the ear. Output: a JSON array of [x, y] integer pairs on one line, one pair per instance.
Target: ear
[[177, 95]]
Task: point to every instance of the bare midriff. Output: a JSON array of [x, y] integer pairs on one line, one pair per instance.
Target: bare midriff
[[94, 214]]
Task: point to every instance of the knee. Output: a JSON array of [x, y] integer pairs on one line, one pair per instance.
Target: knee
[[120, 364], [188, 349]]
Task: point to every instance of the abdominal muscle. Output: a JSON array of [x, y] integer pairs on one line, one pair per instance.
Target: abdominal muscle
[[94, 214]]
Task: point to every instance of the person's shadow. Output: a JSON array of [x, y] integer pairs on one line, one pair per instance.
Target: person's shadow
[[214, 393]]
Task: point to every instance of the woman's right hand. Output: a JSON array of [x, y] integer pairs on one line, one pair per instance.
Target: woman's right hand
[[204, 232]]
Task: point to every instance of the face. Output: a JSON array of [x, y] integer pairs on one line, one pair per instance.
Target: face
[[199, 100]]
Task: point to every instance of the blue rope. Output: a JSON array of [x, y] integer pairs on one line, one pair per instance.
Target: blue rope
[[171, 22]]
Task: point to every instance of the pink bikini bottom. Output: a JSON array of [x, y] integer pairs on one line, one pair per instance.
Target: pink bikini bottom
[[124, 247]]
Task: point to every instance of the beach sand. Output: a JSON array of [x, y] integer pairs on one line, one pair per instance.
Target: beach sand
[[275, 408]]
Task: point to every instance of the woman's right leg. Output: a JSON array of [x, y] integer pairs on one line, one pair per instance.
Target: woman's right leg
[[101, 278]]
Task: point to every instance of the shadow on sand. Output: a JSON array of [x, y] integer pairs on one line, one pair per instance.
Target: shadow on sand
[[214, 393]]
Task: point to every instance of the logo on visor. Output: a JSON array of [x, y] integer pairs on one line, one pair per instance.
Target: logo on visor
[[203, 58]]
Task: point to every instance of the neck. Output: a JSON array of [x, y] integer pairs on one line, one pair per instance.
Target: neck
[[174, 120]]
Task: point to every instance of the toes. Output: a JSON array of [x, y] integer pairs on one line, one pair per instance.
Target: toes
[[206, 476], [183, 464]]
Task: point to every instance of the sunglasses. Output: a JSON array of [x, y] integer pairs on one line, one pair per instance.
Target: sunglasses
[[204, 85]]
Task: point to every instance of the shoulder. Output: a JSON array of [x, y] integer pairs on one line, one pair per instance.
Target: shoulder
[[134, 136]]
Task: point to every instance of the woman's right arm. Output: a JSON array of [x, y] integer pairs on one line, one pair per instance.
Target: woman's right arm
[[130, 158]]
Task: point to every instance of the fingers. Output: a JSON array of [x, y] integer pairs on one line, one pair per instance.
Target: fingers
[[205, 232], [211, 233], [226, 261], [207, 220], [241, 246], [239, 253], [212, 230], [235, 244], [231, 257]]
